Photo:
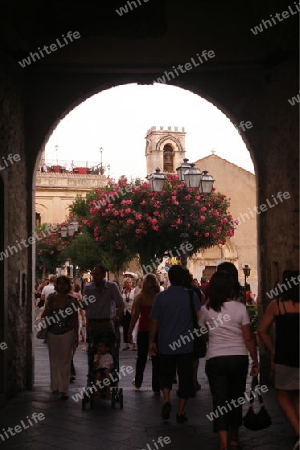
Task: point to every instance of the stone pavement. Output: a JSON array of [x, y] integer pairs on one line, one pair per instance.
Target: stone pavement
[[137, 426]]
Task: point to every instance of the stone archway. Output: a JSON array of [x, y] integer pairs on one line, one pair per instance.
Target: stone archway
[[249, 79]]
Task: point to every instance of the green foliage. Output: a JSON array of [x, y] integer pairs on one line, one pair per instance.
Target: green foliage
[[84, 251], [80, 208], [253, 315]]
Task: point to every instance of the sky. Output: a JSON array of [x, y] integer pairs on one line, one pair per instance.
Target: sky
[[117, 120]]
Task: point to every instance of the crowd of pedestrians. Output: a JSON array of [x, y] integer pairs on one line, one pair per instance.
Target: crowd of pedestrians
[[157, 321]]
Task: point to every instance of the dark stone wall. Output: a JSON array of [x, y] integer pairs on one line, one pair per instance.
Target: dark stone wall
[[278, 162], [15, 297]]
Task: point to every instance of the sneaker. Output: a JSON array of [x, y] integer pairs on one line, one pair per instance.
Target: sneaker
[[181, 418], [166, 411]]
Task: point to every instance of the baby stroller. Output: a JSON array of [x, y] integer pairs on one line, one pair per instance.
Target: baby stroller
[[92, 390]]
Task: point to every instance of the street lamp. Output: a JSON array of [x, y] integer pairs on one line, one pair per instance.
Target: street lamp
[[182, 169], [246, 269], [69, 231], [192, 178], [157, 181], [64, 231], [56, 150], [101, 166], [207, 182], [74, 224]]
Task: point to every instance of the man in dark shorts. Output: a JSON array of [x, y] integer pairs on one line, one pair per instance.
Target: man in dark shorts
[[171, 319]]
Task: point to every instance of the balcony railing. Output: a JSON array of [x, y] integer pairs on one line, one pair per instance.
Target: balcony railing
[[79, 167]]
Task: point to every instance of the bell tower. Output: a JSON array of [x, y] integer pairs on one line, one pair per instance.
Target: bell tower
[[165, 148]]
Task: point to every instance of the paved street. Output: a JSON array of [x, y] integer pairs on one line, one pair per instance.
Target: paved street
[[137, 426]]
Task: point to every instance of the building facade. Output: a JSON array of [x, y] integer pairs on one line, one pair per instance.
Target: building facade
[[55, 192], [239, 186], [57, 188]]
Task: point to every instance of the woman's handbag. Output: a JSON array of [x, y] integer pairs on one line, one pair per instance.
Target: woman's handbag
[[260, 420], [199, 344]]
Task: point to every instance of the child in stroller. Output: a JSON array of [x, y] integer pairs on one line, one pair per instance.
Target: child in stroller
[[103, 363], [103, 366]]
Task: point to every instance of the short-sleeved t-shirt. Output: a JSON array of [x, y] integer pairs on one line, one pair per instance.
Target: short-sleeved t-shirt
[[105, 361], [172, 309], [225, 329], [102, 307], [47, 290]]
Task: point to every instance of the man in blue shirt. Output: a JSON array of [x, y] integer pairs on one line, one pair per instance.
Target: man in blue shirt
[[171, 319]]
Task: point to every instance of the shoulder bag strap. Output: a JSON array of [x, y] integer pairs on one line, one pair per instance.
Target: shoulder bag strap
[[257, 393]]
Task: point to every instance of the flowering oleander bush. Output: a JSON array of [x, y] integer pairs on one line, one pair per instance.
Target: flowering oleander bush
[[49, 246], [128, 218]]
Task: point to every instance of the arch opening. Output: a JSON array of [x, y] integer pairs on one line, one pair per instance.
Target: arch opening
[[164, 147]]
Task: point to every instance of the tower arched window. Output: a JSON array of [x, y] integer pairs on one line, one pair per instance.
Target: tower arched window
[[168, 158], [38, 219]]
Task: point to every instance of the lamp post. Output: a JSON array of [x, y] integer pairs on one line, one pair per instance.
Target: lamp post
[[65, 232], [56, 150], [101, 165], [192, 178], [246, 269]]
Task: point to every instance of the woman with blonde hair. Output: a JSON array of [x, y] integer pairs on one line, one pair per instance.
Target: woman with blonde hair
[[142, 308]]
